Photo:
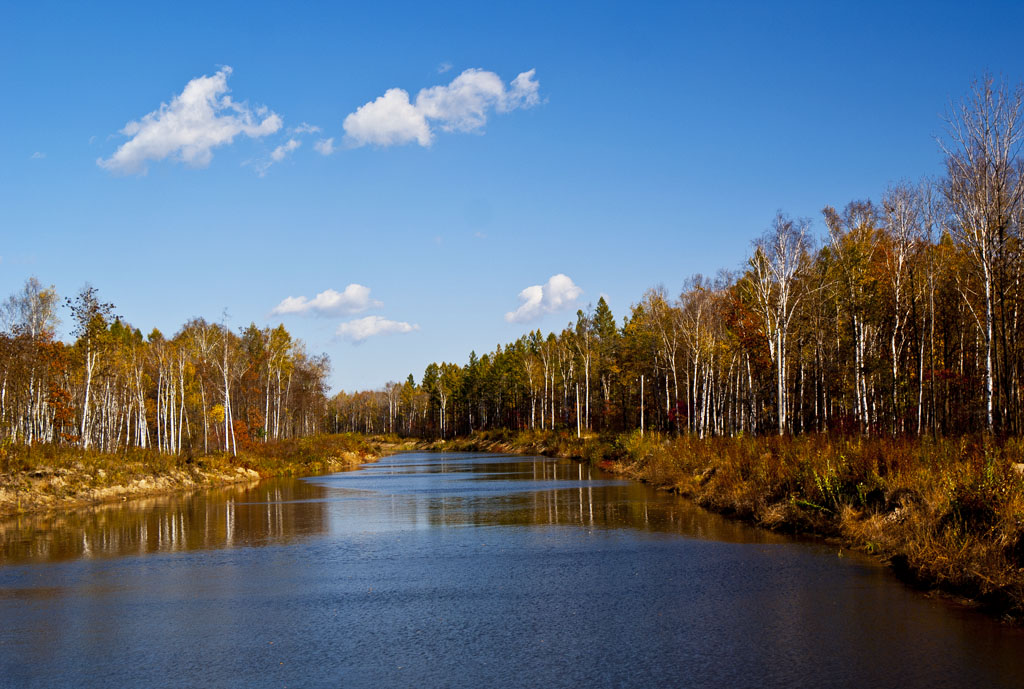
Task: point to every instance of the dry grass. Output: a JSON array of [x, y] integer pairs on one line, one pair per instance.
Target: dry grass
[[47, 476]]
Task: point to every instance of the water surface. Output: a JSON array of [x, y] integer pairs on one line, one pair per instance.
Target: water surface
[[463, 570]]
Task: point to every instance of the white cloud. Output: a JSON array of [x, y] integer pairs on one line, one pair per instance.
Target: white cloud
[[558, 294], [38, 155], [360, 329], [325, 146], [462, 105], [389, 120], [276, 156], [199, 119], [354, 299], [444, 67], [525, 91], [305, 128], [283, 150]]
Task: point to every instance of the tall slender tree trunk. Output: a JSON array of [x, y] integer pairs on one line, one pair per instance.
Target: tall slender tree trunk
[[88, 390]]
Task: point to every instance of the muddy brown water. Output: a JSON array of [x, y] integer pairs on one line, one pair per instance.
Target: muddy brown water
[[464, 570]]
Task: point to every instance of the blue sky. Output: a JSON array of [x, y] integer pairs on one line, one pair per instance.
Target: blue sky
[[651, 142]]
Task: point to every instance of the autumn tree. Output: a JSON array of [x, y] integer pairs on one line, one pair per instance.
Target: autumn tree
[[779, 256], [984, 187], [90, 323]]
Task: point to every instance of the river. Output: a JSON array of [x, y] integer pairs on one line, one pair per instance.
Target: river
[[464, 570]]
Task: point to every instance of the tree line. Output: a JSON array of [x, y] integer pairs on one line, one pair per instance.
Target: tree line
[[904, 317], [204, 389]]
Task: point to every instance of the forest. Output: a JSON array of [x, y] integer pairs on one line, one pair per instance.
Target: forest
[[902, 318], [205, 389]]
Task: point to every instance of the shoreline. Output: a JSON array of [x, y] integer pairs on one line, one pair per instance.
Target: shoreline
[[934, 536], [56, 479], [931, 526]]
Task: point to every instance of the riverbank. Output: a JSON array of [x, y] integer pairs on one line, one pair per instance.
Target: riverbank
[[946, 514], [46, 477]]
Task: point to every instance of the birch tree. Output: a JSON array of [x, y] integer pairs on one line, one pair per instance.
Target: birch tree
[[853, 242], [984, 189], [779, 256], [90, 318], [901, 206]]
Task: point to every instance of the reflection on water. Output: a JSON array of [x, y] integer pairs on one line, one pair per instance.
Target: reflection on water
[[465, 490], [238, 515], [472, 490], [463, 570]]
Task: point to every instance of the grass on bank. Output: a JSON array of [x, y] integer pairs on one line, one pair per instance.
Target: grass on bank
[[40, 476], [946, 513]]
